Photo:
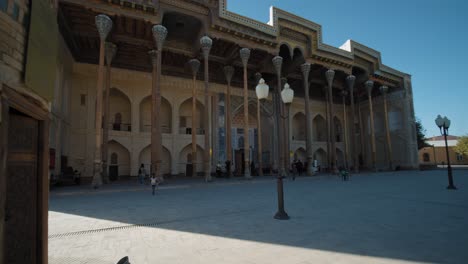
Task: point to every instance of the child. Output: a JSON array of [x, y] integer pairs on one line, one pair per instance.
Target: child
[[154, 183]]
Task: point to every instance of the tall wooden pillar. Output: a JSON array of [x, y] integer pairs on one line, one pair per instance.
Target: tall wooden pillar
[[258, 76], [111, 49], [206, 43], [361, 134], [327, 116], [345, 129], [245, 54], [228, 73], [194, 65], [104, 26], [159, 35], [350, 82], [369, 86], [384, 90], [305, 68], [330, 74]]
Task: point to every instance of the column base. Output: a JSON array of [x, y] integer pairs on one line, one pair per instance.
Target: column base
[[281, 215], [451, 187]]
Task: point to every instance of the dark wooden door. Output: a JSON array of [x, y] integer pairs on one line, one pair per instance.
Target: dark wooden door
[[113, 172], [21, 198]]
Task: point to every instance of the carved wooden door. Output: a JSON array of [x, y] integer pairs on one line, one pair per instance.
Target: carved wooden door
[[21, 199]]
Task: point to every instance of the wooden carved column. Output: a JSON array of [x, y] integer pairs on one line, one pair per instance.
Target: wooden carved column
[[245, 54], [228, 73], [327, 117], [194, 65], [350, 82], [369, 86], [361, 129], [384, 90], [305, 68], [111, 49], [258, 76], [330, 74], [345, 128], [104, 26], [206, 44], [159, 35]]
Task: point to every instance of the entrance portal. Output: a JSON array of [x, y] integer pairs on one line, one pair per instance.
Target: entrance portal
[[21, 233]]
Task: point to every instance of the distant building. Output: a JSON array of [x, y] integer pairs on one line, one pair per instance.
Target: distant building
[[435, 154]]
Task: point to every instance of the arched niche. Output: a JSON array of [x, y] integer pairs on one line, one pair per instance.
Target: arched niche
[[299, 126], [185, 117], [120, 111], [145, 159], [319, 129], [119, 159], [165, 115], [185, 157]]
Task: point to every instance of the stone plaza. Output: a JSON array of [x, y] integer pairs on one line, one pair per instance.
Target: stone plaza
[[393, 217]]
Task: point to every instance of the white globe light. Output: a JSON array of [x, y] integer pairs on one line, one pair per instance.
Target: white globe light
[[446, 122], [287, 95], [262, 89], [439, 121]]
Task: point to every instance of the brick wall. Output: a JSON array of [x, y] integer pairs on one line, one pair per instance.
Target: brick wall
[[13, 40]]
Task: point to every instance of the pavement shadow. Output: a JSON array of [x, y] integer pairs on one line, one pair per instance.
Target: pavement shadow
[[405, 215]]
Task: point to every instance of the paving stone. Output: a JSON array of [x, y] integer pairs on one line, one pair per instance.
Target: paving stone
[[395, 217]]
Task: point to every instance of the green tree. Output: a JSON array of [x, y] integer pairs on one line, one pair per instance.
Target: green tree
[[462, 145], [420, 134]]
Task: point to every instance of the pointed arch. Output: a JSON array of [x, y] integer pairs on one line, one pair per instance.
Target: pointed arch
[[185, 157], [299, 126], [165, 116], [120, 110], [319, 128], [321, 157], [166, 159], [338, 129], [119, 155], [300, 154], [185, 117]]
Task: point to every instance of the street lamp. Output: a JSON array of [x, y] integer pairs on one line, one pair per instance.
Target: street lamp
[[287, 96], [444, 123]]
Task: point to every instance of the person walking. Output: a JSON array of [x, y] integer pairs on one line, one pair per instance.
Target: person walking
[[141, 173], [154, 183]]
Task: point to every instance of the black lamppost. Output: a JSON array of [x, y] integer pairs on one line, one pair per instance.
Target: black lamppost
[[287, 95], [444, 123]]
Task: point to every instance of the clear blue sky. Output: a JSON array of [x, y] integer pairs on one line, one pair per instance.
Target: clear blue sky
[[427, 39]]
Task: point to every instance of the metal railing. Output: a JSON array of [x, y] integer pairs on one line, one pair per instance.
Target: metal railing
[[120, 127], [188, 131]]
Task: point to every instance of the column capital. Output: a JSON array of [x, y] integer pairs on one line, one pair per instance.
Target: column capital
[[305, 69], [277, 62], [330, 74], [228, 73], [111, 49], [369, 86], [244, 55], [153, 56], [258, 76], [383, 89], [350, 79], [206, 43], [103, 25], [194, 66], [159, 35]]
